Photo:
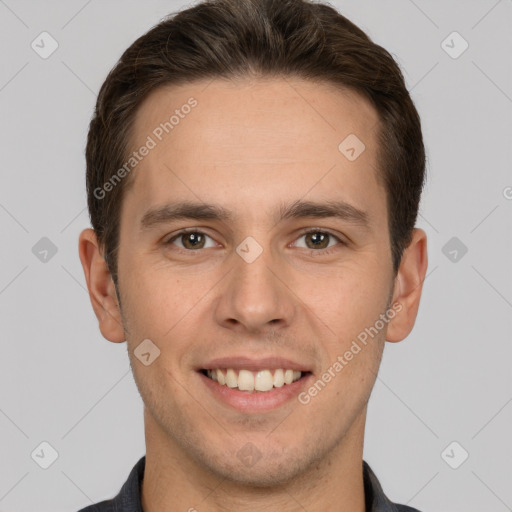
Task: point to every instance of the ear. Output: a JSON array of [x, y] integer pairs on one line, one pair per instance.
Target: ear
[[408, 287], [101, 287]]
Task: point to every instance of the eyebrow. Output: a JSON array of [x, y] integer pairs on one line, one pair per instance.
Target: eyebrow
[[296, 210]]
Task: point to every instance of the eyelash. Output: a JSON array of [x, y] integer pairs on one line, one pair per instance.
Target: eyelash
[[325, 251]]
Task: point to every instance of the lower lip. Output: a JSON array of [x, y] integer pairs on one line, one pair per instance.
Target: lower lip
[[256, 401]]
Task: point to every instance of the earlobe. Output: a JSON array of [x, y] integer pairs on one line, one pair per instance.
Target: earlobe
[[408, 287], [102, 292]]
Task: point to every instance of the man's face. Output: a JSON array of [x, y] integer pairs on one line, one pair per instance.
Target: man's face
[[253, 285]]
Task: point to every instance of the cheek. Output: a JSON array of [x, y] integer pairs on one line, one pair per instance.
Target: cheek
[[150, 305], [160, 308], [348, 300], [166, 308]]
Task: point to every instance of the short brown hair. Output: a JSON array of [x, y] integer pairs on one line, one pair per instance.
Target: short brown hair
[[256, 38]]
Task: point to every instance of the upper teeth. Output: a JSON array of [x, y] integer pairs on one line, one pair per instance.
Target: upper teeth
[[247, 380]]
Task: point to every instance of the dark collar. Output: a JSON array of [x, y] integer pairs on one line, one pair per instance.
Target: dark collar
[[128, 499], [376, 500]]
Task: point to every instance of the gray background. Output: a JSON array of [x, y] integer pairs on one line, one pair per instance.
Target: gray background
[[62, 383]]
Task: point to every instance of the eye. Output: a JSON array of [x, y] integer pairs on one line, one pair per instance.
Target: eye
[[190, 240], [319, 240]]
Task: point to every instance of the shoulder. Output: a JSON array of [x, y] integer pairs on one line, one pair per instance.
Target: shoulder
[[104, 506], [376, 499], [128, 499]]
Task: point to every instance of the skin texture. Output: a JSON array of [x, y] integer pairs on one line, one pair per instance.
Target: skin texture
[[251, 146]]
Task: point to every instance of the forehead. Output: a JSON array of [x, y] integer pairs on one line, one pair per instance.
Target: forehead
[[257, 140]]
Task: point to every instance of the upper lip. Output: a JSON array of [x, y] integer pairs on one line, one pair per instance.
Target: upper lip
[[248, 363]]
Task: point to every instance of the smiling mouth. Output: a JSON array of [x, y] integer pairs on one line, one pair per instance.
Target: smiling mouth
[[254, 381]]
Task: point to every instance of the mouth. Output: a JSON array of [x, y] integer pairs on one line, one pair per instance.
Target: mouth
[[250, 381], [254, 386]]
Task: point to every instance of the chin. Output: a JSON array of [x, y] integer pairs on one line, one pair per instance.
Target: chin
[[272, 467], [261, 475]]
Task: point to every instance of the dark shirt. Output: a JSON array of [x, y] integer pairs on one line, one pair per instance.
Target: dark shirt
[[128, 499]]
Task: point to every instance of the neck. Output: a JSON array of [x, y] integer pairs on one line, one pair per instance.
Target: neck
[[171, 476]]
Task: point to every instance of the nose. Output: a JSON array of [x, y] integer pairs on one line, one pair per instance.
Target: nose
[[255, 296]]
